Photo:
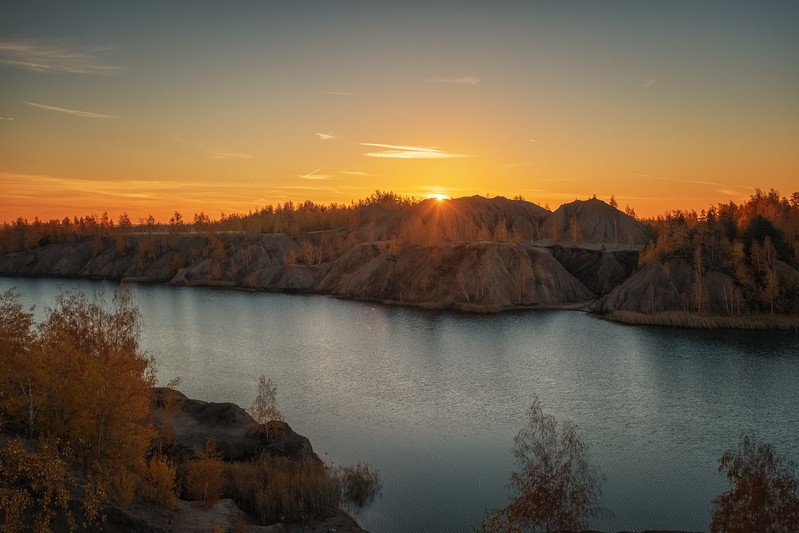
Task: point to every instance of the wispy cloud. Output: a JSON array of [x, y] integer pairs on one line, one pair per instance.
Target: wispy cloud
[[75, 112], [354, 173], [648, 84], [733, 193], [58, 196], [229, 155], [533, 140], [325, 136], [409, 152], [695, 181], [466, 80], [6, 118], [48, 56], [314, 175]]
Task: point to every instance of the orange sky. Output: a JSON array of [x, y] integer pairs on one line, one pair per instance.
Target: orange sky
[[227, 109]]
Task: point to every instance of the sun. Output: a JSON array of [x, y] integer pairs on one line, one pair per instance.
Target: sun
[[439, 197]]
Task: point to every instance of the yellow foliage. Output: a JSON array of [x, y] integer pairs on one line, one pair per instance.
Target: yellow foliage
[[159, 482], [32, 481], [80, 378], [205, 479]]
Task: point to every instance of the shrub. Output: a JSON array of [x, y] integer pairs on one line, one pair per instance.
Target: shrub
[[205, 476], [159, 482], [359, 485], [278, 488]]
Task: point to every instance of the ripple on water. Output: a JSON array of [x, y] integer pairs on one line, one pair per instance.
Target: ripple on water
[[433, 399]]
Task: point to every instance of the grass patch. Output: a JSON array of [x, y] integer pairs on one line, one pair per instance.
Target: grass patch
[[280, 489]]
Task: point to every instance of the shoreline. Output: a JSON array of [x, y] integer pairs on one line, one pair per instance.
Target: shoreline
[[686, 320], [671, 319]]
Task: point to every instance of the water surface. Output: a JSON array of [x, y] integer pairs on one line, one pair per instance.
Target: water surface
[[434, 399]]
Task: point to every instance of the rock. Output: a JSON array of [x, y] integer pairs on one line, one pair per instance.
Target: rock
[[233, 430]]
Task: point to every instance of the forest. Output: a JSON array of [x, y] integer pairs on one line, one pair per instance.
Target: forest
[[750, 243]]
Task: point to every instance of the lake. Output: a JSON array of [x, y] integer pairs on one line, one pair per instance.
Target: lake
[[434, 399]]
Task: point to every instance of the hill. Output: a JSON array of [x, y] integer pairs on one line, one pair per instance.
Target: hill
[[593, 222], [475, 254]]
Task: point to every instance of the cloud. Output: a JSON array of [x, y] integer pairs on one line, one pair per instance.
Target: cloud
[[41, 56], [731, 192], [77, 113], [409, 152], [58, 196], [648, 84], [229, 155], [314, 176], [466, 80], [695, 181], [336, 93], [533, 140], [325, 136], [6, 118], [354, 173]]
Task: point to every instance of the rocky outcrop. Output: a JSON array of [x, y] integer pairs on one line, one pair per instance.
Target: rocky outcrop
[[191, 423], [236, 435]]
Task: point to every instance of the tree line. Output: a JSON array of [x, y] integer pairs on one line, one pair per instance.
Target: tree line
[[750, 244], [287, 217]]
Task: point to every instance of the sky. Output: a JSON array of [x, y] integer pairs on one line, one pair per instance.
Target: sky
[[150, 107]]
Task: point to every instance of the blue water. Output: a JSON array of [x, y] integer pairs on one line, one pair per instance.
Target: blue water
[[434, 399]]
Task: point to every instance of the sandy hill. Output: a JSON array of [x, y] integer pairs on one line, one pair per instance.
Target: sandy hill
[[470, 253], [465, 217], [593, 223], [456, 220]]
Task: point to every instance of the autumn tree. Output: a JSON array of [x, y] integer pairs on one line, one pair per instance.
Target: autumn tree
[[33, 487], [20, 367], [763, 491], [81, 380], [555, 487], [264, 408]]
